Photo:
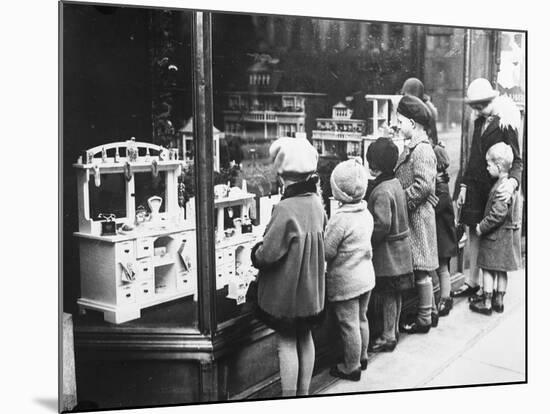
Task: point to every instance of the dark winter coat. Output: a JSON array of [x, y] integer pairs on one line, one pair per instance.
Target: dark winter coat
[[416, 171], [447, 244], [501, 128], [500, 242], [291, 260], [391, 242]]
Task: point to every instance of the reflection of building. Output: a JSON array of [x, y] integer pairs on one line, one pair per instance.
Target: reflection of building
[[343, 136], [186, 143], [263, 112]]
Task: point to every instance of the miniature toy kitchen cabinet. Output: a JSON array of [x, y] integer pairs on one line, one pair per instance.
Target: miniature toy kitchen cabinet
[[133, 257], [130, 257]]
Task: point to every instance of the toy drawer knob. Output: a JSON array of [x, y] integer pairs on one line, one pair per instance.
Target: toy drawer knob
[[126, 250]]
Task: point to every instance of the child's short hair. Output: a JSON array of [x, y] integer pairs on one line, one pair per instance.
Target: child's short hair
[[502, 155]]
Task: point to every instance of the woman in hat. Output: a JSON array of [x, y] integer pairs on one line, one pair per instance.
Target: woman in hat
[[415, 87], [497, 120], [416, 171], [291, 261]]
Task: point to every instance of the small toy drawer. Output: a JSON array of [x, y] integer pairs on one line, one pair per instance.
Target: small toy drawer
[[144, 269], [229, 270], [145, 290], [221, 278], [125, 251], [220, 257], [144, 247], [184, 281], [125, 294], [229, 257]]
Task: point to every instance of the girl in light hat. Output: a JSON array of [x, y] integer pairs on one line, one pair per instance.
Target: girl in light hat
[[291, 260], [350, 275]]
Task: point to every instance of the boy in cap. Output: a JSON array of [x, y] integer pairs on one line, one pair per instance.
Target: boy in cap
[[350, 274], [291, 263], [391, 256]]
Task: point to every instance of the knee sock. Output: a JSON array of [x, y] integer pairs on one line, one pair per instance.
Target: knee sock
[[288, 363], [444, 278], [425, 295], [399, 301], [390, 315], [306, 360]]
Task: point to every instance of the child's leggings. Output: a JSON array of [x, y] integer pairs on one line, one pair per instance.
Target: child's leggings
[[354, 330]]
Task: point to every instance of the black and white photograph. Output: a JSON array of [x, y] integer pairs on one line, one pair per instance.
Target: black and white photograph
[[287, 206], [264, 206]]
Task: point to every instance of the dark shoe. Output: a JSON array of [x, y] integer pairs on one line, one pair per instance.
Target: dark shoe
[[435, 320], [498, 305], [481, 307], [415, 327], [352, 376], [383, 346], [476, 297], [364, 364], [445, 306], [464, 290]]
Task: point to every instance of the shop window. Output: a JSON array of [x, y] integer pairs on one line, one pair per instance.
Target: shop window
[[135, 234]]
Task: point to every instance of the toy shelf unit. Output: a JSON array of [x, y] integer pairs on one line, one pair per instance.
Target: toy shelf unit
[[132, 258], [383, 110], [234, 240]]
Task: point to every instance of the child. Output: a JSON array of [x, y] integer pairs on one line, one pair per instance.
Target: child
[[350, 275], [291, 260], [447, 244], [499, 231], [391, 256]]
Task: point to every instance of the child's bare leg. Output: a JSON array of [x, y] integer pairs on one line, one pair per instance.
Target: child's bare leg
[[306, 360], [288, 363], [502, 282]]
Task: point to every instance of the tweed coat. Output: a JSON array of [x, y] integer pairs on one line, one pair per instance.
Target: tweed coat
[[500, 242], [391, 255], [416, 171]]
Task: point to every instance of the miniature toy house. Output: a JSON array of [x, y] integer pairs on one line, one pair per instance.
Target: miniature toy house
[[340, 135], [186, 143]]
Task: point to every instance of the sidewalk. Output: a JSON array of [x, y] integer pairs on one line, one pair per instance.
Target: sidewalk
[[466, 348]]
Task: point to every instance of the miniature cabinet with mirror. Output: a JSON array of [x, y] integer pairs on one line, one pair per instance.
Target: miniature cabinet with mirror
[[137, 232]]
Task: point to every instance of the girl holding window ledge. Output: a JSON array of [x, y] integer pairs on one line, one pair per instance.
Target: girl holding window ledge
[[291, 261]]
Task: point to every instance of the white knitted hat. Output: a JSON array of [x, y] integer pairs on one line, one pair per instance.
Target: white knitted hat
[[349, 181], [480, 90]]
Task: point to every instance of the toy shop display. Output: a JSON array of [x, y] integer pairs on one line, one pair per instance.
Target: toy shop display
[[137, 232]]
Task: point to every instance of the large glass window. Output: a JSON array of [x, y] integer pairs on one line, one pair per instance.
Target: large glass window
[[335, 83], [129, 201]]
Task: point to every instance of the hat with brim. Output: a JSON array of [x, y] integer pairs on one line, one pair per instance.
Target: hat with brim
[[480, 90]]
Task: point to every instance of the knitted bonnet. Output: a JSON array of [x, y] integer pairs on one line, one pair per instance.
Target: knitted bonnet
[[349, 181]]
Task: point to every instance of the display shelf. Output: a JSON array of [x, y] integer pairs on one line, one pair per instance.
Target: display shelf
[[163, 261]]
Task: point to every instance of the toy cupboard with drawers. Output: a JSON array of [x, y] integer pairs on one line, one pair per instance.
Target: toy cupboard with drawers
[[137, 237]]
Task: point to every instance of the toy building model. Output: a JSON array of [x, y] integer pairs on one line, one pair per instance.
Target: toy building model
[[186, 143], [265, 111], [344, 136]]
